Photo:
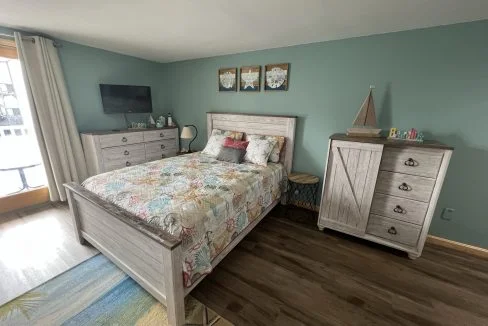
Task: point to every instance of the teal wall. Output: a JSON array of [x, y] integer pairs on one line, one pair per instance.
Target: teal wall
[[433, 79], [86, 67]]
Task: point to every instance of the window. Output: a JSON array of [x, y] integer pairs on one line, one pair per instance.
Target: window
[[21, 164]]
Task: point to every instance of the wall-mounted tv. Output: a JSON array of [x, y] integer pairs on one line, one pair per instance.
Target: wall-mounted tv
[[126, 99]]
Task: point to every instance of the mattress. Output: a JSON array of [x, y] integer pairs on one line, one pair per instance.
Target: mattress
[[202, 201]]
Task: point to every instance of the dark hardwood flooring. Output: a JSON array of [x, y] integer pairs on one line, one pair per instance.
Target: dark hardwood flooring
[[286, 272]]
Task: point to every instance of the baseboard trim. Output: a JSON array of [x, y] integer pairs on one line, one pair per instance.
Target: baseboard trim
[[473, 250], [24, 199]]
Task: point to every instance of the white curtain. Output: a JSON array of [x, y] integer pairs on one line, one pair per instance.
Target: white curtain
[[52, 114]]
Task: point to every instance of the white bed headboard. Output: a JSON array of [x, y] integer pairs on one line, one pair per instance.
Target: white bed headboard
[[272, 125]]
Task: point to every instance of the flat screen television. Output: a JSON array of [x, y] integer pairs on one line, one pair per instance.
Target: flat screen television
[[126, 99]]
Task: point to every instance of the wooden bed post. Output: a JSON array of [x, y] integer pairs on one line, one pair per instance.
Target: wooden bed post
[[173, 282], [75, 216]]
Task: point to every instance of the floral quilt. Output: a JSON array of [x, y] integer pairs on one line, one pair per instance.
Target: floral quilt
[[204, 202]]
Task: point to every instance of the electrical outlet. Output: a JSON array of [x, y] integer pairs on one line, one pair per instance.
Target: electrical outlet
[[446, 214]]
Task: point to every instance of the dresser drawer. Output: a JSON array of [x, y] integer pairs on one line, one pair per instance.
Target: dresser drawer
[[407, 210], [159, 134], [405, 186], [120, 139], [160, 155], [122, 163], [159, 146], [422, 163], [393, 230], [123, 153]]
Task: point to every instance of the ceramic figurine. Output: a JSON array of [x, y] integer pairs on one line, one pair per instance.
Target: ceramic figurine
[[151, 121]]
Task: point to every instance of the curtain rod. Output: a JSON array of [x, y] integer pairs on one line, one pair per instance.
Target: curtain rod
[[27, 37]]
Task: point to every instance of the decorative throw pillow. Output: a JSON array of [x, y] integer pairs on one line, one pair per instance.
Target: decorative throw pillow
[[228, 133], [275, 153], [232, 155], [239, 144], [258, 151], [214, 144]]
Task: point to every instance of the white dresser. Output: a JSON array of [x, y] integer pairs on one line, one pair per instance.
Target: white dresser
[[110, 150], [383, 191]]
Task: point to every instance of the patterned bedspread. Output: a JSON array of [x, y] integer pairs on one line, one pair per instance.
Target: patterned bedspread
[[204, 202]]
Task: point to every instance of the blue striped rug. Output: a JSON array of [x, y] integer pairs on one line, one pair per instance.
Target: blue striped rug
[[96, 292]]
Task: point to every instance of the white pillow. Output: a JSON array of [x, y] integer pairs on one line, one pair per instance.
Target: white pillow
[[259, 150], [276, 152], [214, 144]]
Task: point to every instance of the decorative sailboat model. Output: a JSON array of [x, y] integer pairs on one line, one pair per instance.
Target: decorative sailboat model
[[365, 123]]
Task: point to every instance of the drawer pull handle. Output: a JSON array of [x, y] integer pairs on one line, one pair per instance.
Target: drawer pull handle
[[124, 140], [398, 209], [127, 163], [392, 230], [163, 147], [404, 187], [126, 152], [161, 135], [411, 162]]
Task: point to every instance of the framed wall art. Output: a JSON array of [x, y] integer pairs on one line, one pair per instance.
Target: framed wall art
[[276, 77], [250, 79], [228, 79]]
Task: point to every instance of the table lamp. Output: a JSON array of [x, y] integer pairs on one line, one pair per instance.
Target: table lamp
[[186, 133]]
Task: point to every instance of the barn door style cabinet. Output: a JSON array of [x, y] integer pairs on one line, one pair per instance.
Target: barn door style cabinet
[[383, 191]]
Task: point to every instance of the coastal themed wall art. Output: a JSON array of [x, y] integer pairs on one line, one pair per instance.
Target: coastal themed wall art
[[228, 79], [250, 80], [276, 77]]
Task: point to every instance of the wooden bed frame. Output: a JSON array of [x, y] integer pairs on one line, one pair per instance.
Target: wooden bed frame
[[153, 258]]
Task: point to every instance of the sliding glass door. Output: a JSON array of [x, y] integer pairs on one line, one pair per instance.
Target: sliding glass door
[[22, 176]]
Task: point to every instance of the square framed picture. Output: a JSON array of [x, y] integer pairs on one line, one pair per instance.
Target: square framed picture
[[228, 79], [250, 79], [276, 77]]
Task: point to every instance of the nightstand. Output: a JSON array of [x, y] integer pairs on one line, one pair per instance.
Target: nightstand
[[302, 190]]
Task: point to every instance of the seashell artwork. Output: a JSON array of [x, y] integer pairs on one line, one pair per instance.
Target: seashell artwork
[[250, 79], [228, 79], [276, 77]]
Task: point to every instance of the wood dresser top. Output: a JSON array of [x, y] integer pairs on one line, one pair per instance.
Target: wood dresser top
[[303, 178], [392, 143], [123, 131]]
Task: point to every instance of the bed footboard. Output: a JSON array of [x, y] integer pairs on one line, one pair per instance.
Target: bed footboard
[[148, 255]]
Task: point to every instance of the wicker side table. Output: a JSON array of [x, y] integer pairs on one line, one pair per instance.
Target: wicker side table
[[302, 190]]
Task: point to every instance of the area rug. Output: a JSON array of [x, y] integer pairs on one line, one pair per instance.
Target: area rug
[[96, 292]]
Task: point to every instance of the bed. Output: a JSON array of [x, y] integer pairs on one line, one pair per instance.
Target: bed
[[167, 223]]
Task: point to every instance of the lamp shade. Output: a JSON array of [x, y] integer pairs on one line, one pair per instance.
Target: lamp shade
[[186, 133]]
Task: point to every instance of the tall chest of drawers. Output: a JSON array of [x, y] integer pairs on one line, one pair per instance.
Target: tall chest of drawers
[[383, 191], [111, 150]]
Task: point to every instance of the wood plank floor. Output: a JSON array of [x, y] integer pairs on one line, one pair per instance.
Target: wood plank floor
[[286, 272], [35, 246]]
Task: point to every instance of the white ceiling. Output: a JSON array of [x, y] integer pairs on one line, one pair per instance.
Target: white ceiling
[[165, 30]]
